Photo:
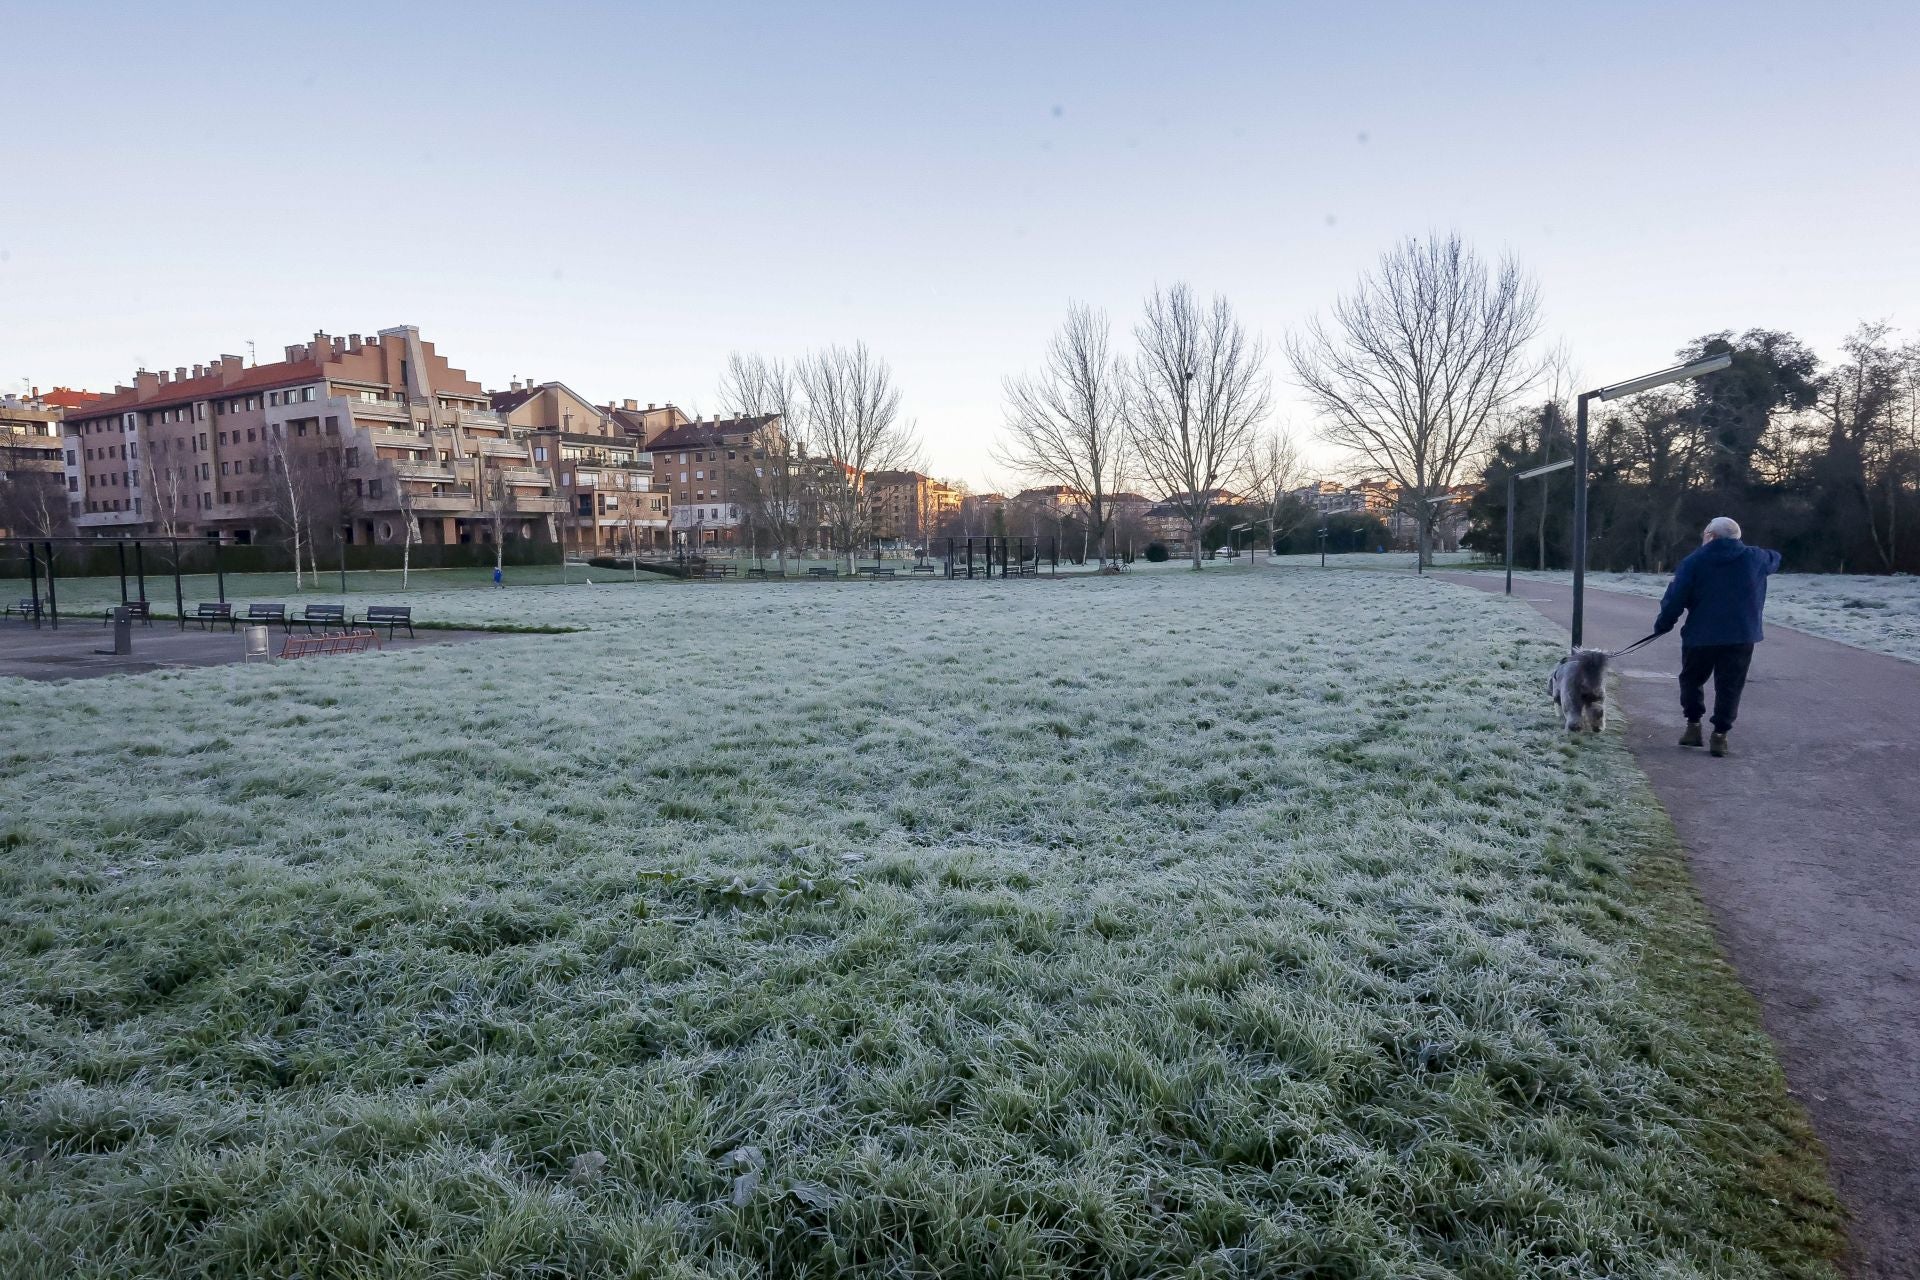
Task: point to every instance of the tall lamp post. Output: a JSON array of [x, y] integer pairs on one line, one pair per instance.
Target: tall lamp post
[[1647, 382], [1512, 497]]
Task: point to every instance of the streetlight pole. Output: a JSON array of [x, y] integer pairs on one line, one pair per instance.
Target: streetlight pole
[[1512, 499], [1647, 382]]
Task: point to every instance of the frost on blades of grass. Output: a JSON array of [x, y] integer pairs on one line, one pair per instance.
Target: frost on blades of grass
[[1207, 924], [1881, 613]]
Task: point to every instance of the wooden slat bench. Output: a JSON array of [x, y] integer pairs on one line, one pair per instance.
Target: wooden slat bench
[[137, 611], [208, 612], [267, 613], [350, 640], [27, 607], [323, 615], [822, 571], [390, 616]]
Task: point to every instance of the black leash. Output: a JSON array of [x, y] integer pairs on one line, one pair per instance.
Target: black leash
[[1621, 653]]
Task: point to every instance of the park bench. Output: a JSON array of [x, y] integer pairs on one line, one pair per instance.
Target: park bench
[[823, 571], [347, 640], [27, 607], [928, 567], [137, 611], [716, 571], [390, 616], [267, 613], [208, 612], [325, 615], [873, 571]]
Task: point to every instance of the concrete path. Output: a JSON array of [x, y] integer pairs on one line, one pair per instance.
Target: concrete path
[[1806, 846], [72, 651]]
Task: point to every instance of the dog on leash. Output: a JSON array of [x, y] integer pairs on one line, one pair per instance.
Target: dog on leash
[[1578, 686]]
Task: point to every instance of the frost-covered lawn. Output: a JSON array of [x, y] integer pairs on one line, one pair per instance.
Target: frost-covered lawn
[[1184, 924], [1402, 560], [1881, 613]]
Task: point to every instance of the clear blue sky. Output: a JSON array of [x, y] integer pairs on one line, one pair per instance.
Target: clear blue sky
[[617, 196]]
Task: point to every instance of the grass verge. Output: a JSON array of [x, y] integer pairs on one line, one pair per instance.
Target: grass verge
[[1198, 924]]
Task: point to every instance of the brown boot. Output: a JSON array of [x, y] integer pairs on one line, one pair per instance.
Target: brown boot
[[1718, 744], [1691, 738]]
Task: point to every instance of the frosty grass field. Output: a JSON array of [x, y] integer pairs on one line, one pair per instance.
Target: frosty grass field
[[1225, 924]]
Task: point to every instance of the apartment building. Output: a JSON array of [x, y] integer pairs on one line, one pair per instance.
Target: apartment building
[[645, 425], [597, 464], [711, 470], [365, 435], [909, 506], [33, 484]]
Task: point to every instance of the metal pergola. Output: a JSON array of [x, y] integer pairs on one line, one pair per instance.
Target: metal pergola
[[42, 561], [1012, 556]]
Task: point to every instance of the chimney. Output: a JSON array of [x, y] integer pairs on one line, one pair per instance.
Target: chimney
[[199, 371], [353, 342], [295, 352], [514, 385], [180, 374], [339, 346], [630, 406], [650, 406], [231, 367], [146, 383], [320, 342], [162, 375]]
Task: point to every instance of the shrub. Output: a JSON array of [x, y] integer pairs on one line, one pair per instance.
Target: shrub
[[1156, 553]]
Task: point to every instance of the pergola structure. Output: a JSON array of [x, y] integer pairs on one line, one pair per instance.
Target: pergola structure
[[41, 557], [1013, 557]]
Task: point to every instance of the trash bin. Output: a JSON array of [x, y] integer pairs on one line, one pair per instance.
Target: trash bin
[[258, 644], [122, 631]]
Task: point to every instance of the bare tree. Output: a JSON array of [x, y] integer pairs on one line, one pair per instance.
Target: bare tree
[[288, 504], [499, 504], [409, 528], [1418, 361], [777, 492], [1271, 474], [1197, 392], [1066, 425], [853, 424]]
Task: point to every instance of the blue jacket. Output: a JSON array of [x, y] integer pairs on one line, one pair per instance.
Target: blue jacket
[[1723, 588]]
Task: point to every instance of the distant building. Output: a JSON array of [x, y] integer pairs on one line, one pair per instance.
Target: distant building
[[368, 434], [710, 470], [908, 506], [596, 464], [33, 479]]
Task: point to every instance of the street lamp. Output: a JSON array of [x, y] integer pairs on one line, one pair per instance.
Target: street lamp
[[1646, 382], [1561, 465], [1321, 533]]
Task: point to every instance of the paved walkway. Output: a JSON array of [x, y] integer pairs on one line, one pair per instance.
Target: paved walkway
[[72, 651], [1806, 846]]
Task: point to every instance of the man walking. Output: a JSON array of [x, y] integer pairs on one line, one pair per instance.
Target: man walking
[[1722, 588]]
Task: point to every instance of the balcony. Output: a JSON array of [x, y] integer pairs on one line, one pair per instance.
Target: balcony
[[473, 418], [524, 506], [442, 503], [385, 409], [496, 448], [429, 472], [107, 519], [398, 439]]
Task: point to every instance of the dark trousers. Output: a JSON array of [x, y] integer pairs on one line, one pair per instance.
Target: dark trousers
[[1727, 664]]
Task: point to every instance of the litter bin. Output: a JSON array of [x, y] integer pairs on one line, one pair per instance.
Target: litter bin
[[257, 645], [122, 631]]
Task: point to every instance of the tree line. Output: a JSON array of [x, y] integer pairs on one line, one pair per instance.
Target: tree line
[[1819, 461]]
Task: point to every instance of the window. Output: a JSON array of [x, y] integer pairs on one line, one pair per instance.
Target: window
[[333, 425], [353, 457], [70, 456], [250, 404], [373, 488], [273, 397], [306, 393], [200, 412], [699, 475], [73, 484], [223, 437], [219, 407], [566, 479], [683, 459], [540, 453], [249, 435]]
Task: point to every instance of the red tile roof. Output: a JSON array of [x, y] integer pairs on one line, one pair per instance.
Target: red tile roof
[[210, 387], [70, 398]]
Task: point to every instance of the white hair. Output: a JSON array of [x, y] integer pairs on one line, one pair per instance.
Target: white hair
[[1723, 527]]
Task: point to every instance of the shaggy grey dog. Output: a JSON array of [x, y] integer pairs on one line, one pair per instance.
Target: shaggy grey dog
[[1579, 687]]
